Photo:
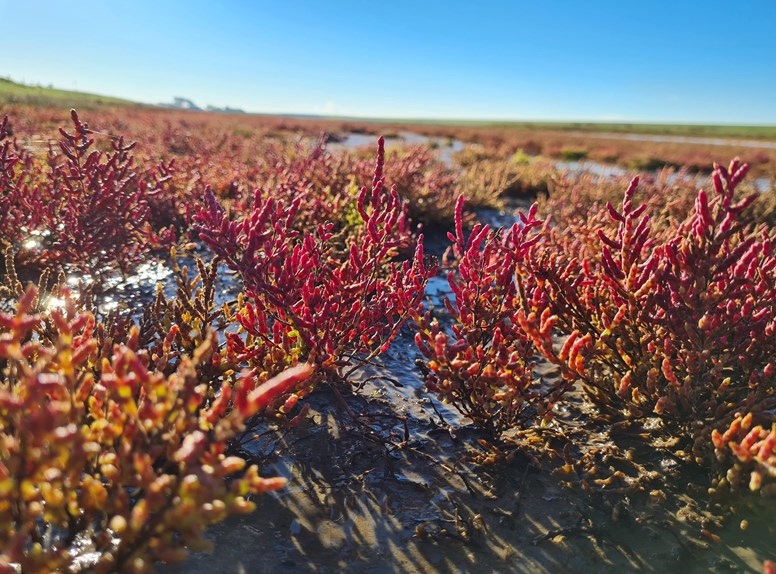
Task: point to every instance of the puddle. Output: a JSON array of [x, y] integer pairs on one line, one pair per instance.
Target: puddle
[[594, 167], [446, 147], [762, 184]]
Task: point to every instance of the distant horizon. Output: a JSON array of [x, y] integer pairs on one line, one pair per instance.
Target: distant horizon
[[561, 61], [163, 105], [442, 120]]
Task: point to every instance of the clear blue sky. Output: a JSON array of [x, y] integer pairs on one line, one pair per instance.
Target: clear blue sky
[[677, 61]]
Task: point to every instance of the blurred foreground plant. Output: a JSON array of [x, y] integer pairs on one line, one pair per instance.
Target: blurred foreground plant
[[108, 464]]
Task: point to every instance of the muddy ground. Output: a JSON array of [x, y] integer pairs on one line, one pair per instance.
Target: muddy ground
[[391, 490]]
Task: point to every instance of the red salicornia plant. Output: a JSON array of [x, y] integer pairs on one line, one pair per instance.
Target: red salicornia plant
[[483, 366], [747, 450], [88, 210], [678, 323], [337, 302]]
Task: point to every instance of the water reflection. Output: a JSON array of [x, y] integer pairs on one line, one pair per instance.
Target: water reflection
[[55, 303], [148, 273], [133, 293], [79, 281], [107, 305], [31, 243], [35, 238], [448, 147]]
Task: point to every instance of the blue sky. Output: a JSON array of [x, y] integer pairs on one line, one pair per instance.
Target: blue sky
[[678, 61]]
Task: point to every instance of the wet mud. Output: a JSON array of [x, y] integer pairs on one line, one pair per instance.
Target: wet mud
[[379, 483]]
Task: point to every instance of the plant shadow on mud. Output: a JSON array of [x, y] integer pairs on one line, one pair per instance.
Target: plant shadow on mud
[[377, 483]]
